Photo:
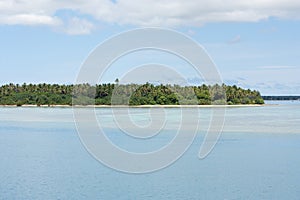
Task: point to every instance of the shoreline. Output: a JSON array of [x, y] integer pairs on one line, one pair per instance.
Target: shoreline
[[139, 106]]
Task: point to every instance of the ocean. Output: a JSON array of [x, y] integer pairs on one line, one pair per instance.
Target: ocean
[[256, 156]]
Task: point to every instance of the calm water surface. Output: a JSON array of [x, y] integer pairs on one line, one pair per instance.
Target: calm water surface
[[257, 157]]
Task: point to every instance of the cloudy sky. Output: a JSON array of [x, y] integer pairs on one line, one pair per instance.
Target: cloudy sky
[[255, 44]]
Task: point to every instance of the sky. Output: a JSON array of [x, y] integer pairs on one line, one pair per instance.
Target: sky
[[254, 44]]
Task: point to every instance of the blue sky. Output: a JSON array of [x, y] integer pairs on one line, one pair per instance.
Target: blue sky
[[254, 45]]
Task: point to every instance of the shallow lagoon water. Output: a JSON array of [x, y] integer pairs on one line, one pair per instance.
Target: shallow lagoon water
[[257, 157]]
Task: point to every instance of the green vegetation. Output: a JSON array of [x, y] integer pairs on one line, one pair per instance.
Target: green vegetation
[[132, 94]]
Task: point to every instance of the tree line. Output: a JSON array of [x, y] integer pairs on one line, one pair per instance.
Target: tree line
[[129, 94]]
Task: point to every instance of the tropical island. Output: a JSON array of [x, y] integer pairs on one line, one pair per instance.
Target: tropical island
[[126, 94]]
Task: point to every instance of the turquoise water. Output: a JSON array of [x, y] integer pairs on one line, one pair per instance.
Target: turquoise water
[[257, 157]]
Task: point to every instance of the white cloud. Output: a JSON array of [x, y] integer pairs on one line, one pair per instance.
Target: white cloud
[[235, 40], [191, 32], [30, 19], [77, 26], [267, 79], [147, 12]]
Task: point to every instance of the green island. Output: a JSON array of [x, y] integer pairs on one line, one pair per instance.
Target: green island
[[128, 94]]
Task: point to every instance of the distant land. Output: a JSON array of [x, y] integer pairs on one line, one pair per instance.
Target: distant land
[[281, 98], [129, 94]]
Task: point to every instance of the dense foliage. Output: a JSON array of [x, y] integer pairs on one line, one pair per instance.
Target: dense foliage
[[132, 94]]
